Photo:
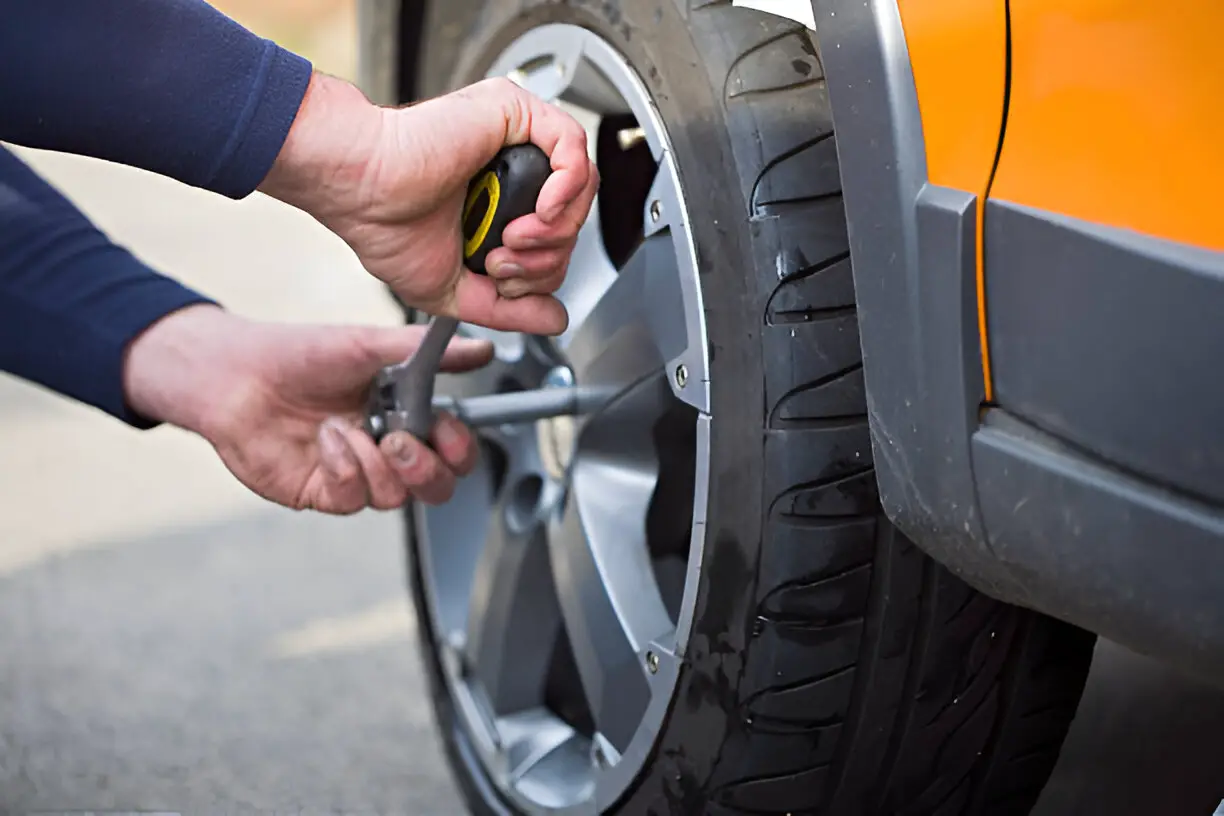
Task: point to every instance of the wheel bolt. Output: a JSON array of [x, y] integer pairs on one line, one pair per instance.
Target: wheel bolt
[[629, 138], [681, 375], [656, 210], [652, 662]]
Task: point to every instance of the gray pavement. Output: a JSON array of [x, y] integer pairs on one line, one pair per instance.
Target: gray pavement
[[170, 642]]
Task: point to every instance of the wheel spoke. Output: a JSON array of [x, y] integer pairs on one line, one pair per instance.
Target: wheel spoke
[[530, 736], [623, 432], [560, 777], [512, 614], [636, 325], [609, 600], [590, 275], [545, 68], [555, 67]]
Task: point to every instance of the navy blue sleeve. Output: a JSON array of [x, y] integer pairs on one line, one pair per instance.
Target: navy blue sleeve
[[71, 300], [170, 86]]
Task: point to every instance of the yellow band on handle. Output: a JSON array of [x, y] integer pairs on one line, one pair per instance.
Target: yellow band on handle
[[488, 183]]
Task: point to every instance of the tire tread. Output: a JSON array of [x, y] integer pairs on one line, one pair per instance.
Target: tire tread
[[856, 632]]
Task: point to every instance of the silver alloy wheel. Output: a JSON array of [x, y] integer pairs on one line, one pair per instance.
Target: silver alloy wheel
[[555, 545]]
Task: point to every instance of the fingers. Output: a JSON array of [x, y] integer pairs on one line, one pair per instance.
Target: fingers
[[478, 300], [430, 475], [455, 444], [384, 486], [531, 119], [418, 469], [535, 254], [530, 264], [343, 488], [466, 354], [528, 118], [359, 473], [532, 232], [568, 218], [388, 346]]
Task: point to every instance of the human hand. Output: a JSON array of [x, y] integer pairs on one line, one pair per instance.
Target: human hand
[[391, 182], [283, 404]]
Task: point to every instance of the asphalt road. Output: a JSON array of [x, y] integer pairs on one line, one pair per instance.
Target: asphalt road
[[170, 643]]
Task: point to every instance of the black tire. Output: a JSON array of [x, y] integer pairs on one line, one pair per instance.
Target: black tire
[[833, 667]]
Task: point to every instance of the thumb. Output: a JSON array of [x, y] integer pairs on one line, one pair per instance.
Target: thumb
[[388, 346]]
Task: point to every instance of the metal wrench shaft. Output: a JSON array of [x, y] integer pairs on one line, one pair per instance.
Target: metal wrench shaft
[[522, 406], [402, 399]]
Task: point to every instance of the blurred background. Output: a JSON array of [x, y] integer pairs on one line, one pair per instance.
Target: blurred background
[[172, 643], [169, 641]]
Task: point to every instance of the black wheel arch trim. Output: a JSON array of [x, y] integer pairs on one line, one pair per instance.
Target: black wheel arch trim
[[912, 245]]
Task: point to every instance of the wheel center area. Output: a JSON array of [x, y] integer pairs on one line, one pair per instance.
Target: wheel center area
[[557, 436]]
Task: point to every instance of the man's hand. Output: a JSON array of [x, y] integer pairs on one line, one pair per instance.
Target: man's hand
[[283, 404], [391, 183]]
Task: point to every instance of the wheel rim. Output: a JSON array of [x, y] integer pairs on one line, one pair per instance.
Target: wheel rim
[[560, 582]]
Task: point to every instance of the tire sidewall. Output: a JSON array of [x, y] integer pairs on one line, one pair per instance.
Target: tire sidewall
[[659, 42]]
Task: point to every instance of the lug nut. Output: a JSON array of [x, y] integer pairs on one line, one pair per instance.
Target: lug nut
[[629, 138], [681, 375]]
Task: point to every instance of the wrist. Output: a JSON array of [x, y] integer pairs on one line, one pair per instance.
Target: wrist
[[179, 370], [327, 153]]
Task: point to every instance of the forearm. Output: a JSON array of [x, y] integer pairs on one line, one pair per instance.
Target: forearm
[[330, 155], [71, 301], [170, 86]]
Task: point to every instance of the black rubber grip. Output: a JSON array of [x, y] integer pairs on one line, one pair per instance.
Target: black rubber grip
[[510, 184]]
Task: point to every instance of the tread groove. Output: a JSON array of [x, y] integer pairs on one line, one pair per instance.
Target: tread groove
[[824, 522], [814, 385], [816, 423], [1054, 708], [797, 684], [781, 157], [798, 623], [786, 318], [822, 483], [761, 46], [772, 778], [760, 723], [808, 583], [913, 679], [952, 791], [813, 269], [1040, 749], [865, 669], [794, 86], [764, 207]]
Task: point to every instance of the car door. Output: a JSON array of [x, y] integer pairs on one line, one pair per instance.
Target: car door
[[1104, 233]]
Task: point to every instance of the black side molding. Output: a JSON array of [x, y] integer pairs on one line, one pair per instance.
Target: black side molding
[[1111, 340], [1123, 557]]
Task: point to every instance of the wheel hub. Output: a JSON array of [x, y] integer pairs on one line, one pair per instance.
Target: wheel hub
[[556, 435]]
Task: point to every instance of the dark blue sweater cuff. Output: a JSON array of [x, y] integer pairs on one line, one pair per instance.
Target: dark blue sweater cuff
[[276, 95], [80, 352]]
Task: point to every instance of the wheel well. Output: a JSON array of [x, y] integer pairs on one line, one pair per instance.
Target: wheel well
[[412, 15]]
